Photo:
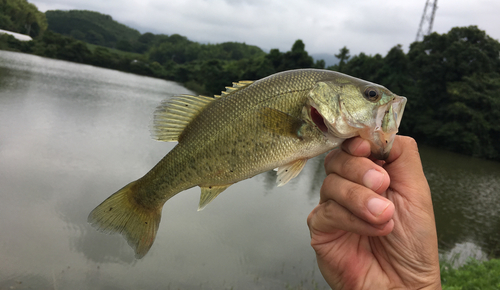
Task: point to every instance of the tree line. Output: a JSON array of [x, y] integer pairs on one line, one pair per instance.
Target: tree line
[[451, 80]]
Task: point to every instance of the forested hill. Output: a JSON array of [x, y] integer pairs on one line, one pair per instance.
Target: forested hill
[[92, 27]]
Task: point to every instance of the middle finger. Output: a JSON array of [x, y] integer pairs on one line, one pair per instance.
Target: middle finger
[[360, 170], [362, 202]]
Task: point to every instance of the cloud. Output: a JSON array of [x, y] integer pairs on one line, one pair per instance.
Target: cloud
[[324, 26]]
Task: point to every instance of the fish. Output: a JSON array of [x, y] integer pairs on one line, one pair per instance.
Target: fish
[[278, 122]]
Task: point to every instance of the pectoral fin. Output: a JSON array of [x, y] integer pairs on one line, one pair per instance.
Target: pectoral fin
[[208, 193], [289, 171], [281, 123]]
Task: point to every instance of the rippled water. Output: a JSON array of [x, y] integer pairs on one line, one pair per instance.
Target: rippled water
[[71, 135], [466, 197]]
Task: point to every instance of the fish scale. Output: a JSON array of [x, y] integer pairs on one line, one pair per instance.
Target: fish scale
[[277, 122]]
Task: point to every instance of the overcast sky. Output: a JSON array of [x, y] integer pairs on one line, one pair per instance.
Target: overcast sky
[[369, 26]]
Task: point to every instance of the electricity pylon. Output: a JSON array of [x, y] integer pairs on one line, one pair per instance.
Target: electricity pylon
[[426, 16]]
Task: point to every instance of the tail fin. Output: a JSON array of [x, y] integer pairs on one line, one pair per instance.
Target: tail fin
[[120, 213]]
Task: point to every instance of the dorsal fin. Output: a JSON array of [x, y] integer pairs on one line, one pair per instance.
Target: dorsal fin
[[174, 114], [236, 87]]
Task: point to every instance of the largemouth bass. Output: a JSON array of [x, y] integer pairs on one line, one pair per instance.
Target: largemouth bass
[[280, 121]]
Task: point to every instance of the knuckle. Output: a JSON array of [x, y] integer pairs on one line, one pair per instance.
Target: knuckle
[[311, 216], [352, 217], [409, 142], [329, 187], [349, 165], [352, 194], [328, 182], [330, 159], [329, 209]]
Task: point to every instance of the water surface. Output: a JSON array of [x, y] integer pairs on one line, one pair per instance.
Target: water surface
[[72, 134]]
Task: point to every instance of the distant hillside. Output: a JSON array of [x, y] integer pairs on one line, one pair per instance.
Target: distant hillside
[[92, 27], [329, 59]]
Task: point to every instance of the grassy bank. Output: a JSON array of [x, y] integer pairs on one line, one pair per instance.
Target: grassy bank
[[471, 276]]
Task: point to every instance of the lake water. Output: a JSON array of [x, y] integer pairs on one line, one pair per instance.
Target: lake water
[[71, 135]]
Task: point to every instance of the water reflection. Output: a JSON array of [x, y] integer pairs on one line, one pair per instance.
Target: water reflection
[[72, 134], [466, 197]]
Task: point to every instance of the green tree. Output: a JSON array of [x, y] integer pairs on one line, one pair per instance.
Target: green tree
[[472, 115], [95, 28], [144, 42], [394, 72], [253, 68], [320, 64], [61, 47], [276, 58], [22, 17], [124, 45], [362, 66], [95, 38], [174, 48], [102, 57], [343, 56], [296, 58], [447, 70]]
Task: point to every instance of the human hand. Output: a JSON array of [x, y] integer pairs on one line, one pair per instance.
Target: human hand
[[374, 227]]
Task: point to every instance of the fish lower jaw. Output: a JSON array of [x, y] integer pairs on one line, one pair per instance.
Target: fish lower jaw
[[380, 142]]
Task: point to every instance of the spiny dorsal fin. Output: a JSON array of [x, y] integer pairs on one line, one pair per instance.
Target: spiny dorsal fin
[[174, 114], [208, 193], [236, 87], [289, 171]]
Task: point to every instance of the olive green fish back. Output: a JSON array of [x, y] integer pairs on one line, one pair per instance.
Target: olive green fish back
[[286, 92]]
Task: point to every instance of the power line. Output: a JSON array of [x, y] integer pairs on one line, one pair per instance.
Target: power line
[[427, 17]]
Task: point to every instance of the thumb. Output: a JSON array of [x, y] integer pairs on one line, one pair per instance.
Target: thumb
[[404, 165]]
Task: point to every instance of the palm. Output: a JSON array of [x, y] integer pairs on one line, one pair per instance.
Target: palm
[[357, 260], [367, 262], [395, 249]]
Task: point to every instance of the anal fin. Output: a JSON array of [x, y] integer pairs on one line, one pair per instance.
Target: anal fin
[[209, 193], [289, 171]]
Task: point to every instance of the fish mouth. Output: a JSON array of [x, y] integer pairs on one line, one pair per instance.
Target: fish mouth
[[318, 119], [387, 121], [380, 133]]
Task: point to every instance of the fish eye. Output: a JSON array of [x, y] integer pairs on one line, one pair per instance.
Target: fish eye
[[372, 94]]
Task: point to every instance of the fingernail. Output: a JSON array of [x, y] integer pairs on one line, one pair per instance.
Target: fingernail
[[377, 206], [373, 179]]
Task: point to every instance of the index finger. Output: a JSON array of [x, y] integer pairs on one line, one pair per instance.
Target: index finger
[[356, 146]]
